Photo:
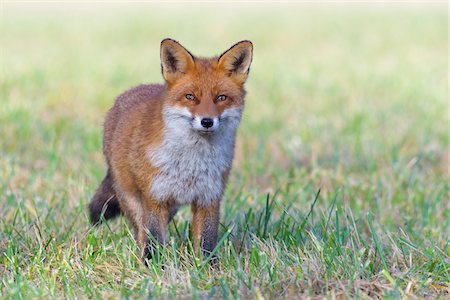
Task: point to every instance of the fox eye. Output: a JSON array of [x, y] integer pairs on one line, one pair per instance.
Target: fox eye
[[221, 98], [190, 97]]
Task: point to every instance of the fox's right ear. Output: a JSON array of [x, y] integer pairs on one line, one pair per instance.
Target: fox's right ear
[[175, 60]]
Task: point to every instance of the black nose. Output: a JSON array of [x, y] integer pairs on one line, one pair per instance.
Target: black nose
[[207, 122]]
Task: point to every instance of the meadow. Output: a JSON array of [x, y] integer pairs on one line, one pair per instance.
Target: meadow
[[340, 186]]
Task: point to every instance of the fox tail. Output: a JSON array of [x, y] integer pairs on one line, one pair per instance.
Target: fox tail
[[105, 202]]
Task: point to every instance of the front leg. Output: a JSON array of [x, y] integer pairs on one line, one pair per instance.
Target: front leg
[[205, 226], [156, 219]]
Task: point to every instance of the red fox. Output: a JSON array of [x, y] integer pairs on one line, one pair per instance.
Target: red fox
[[173, 144]]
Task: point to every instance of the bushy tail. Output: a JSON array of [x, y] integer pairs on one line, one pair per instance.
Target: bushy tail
[[104, 202]]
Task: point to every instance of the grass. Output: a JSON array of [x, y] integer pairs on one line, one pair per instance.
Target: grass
[[340, 186]]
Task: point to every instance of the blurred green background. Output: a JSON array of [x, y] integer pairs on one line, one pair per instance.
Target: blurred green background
[[351, 99]]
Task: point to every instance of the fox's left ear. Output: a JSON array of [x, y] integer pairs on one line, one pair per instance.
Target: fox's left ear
[[236, 60]]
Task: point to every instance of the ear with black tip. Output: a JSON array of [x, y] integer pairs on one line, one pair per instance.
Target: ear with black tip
[[175, 60], [236, 60]]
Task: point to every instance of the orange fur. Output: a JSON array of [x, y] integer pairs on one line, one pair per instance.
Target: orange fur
[[136, 126]]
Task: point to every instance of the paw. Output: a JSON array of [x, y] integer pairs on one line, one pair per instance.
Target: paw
[[150, 252], [213, 260]]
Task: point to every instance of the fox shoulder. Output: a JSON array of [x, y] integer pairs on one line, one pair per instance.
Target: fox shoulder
[[126, 109]]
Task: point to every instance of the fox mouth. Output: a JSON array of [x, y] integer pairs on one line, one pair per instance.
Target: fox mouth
[[205, 131]]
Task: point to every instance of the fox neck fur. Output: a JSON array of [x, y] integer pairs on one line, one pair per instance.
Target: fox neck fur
[[192, 166]]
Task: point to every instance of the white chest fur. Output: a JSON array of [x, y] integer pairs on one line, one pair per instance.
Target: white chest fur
[[191, 166]]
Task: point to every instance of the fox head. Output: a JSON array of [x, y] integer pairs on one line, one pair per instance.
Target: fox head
[[204, 95]]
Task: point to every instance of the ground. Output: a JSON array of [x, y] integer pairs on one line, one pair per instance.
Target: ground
[[340, 186]]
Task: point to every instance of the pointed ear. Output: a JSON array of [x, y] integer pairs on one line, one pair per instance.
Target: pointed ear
[[236, 60], [175, 60]]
